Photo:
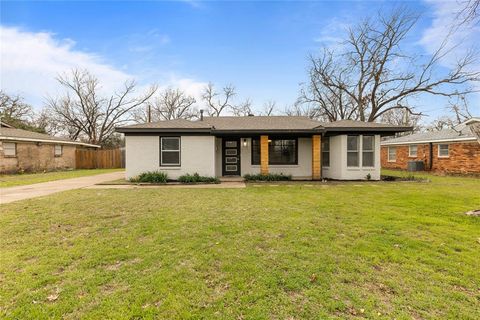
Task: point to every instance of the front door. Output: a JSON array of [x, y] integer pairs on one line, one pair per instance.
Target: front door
[[231, 157]]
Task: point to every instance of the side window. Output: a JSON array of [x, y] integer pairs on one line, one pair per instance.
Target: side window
[[9, 149], [443, 150], [368, 151], [412, 150], [169, 151], [352, 151], [58, 150], [326, 152], [392, 154]]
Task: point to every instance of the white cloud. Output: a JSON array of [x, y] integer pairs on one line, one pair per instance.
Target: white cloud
[[31, 61]]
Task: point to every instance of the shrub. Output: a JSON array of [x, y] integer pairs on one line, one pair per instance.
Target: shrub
[[196, 178], [152, 177], [267, 177]]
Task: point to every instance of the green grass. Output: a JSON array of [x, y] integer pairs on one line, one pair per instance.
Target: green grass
[[357, 250], [13, 180]]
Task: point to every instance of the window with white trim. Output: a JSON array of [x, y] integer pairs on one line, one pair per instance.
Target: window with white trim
[[169, 151], [58, 150], [9, 149], [368, 151], [443, 150], [326, 152], [412, 150], [392, 154], [353, 143]]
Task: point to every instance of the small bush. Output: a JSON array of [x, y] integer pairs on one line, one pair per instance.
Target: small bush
[[267, 177], [196, 178], [152, 177]]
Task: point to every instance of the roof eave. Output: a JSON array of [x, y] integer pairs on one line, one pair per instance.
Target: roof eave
[[399, 143], [48, 141], [162, 130]]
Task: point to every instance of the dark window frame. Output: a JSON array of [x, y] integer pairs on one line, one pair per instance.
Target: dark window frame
[[179, 151], [357, 151], [372, 151], [269, 158], [325, 151]]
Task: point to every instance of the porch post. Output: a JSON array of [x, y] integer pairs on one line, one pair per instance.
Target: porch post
[[263, 154], [316, 157]]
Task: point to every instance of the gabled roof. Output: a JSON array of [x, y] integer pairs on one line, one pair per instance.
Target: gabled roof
[[460, 132], [259, 124], [30, 136]]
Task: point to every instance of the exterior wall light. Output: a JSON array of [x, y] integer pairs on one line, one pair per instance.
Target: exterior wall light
[[244, 142]]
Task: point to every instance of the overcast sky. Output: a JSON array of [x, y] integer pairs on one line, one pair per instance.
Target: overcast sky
[[260, 47]]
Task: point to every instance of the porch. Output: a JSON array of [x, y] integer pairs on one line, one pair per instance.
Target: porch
[[296, 155]]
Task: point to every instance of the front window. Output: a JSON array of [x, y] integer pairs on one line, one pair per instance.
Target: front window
[[169, 151], [368, 151], [352, 151], [392, 154], [280, 151], [443, 150], [58, 150], [9, 149], [326, 152], [412, 150]]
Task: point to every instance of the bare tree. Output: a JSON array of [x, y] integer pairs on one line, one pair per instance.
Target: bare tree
[[401, 117], [374, 76], [169, 104], [303, 110], [84, 114], [469, 11], [243, 109], [218, 102], [459, 108], [13, 108], [269, 108]]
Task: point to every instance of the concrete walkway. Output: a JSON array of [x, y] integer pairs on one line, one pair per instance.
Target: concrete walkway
[[45, 188]]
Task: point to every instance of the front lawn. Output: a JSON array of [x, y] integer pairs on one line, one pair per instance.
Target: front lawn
[[299, 251], [12, 180]]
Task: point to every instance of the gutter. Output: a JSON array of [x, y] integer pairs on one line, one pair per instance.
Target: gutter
[[49, 141], [427, 141]]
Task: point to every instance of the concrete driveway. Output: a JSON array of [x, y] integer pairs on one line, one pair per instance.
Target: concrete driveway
[[45, 188]]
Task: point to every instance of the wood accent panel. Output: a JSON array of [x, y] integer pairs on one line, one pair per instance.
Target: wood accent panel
[[263, 154], [316, 157]]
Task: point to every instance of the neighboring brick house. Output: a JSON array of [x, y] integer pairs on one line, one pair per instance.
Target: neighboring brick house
[[454, 150], [22, 150]]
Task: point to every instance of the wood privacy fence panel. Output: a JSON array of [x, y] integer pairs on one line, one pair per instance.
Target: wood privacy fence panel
[[99, 159]]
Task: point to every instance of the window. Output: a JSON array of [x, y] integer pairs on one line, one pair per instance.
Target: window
[[58, 150], [352, 151], [368, 151], [280, 151], [443, 150], [392, 154], [169, 151], [412, 150], [326, 152], [9, 149]]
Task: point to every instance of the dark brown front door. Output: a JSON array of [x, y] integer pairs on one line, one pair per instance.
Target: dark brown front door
[[231, 157]]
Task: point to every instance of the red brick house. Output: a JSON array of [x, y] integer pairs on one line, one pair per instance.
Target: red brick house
[[22, 150], [455, 150]]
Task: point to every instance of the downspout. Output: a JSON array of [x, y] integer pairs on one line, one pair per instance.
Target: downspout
[[430, 165], [321, 159]]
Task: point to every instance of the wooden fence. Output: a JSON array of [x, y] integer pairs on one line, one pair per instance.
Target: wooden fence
[[99, 159]]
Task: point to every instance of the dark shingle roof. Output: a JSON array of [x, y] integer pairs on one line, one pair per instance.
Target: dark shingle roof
[[259, 124], [262, 123], [12, 133], [460, 132]]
